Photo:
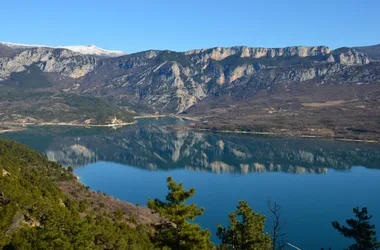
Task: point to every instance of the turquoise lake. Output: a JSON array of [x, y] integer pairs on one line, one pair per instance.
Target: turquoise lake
[[315, 181]]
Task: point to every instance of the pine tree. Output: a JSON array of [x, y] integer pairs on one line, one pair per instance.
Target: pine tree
[[360, 230], [245, 230], [176, 232]]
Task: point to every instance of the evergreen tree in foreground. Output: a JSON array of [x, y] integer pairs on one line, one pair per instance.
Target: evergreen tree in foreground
[[176, 232], [245, 230], [360, 230]]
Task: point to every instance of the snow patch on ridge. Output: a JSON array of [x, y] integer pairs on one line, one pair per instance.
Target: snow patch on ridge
[[94, 50], [82, 49]]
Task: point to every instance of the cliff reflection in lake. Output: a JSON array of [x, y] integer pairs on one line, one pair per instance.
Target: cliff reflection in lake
[[154, 146]]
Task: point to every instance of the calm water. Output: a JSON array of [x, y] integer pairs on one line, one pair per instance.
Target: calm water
[[315, 181]]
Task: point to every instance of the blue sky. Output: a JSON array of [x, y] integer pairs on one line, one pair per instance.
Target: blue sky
[[181, 25]]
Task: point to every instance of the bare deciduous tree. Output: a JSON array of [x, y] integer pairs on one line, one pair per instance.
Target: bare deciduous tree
[[278, 223]]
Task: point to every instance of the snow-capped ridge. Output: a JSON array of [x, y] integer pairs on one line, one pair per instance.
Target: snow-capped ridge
[[93, 50], [82, 49]]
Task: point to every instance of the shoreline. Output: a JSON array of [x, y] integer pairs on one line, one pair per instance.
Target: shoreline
[[149, 116], [142, 213], [15, 127], [68, 124], [11, 130], [170, 116], [283, 135]]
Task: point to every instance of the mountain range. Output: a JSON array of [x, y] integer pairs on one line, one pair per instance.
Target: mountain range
[[308, 90]]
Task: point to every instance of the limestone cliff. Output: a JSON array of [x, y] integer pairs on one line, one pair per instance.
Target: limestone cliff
[[350, 57], [171, 82], [62, 61], [220, 53]]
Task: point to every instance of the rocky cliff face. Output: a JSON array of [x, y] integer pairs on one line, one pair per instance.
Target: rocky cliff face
[[62, 61], [219, 53], [171, 82], [349, 56]]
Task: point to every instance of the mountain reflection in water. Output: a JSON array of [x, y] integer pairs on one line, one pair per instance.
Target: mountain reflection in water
[[133, 162], [154, 146]]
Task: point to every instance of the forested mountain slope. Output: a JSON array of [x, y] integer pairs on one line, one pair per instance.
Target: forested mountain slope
[[43, 206]]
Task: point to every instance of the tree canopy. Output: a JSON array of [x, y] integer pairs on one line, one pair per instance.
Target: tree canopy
[[177, 232], [360, 230], [245, 230]]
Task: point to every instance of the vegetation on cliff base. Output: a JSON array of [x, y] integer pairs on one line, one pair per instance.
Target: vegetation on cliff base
[[32, 106]]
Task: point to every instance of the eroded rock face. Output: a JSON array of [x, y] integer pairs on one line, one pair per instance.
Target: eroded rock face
[[168, 86], [220, 53], [240, 71], [352, 57], [65, 62]]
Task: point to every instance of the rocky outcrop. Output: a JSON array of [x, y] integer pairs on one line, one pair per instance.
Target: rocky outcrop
[[62, 61], [220, 53], [349, 56]]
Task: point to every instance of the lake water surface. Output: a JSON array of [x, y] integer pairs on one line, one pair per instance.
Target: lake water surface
[[315, 181]]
